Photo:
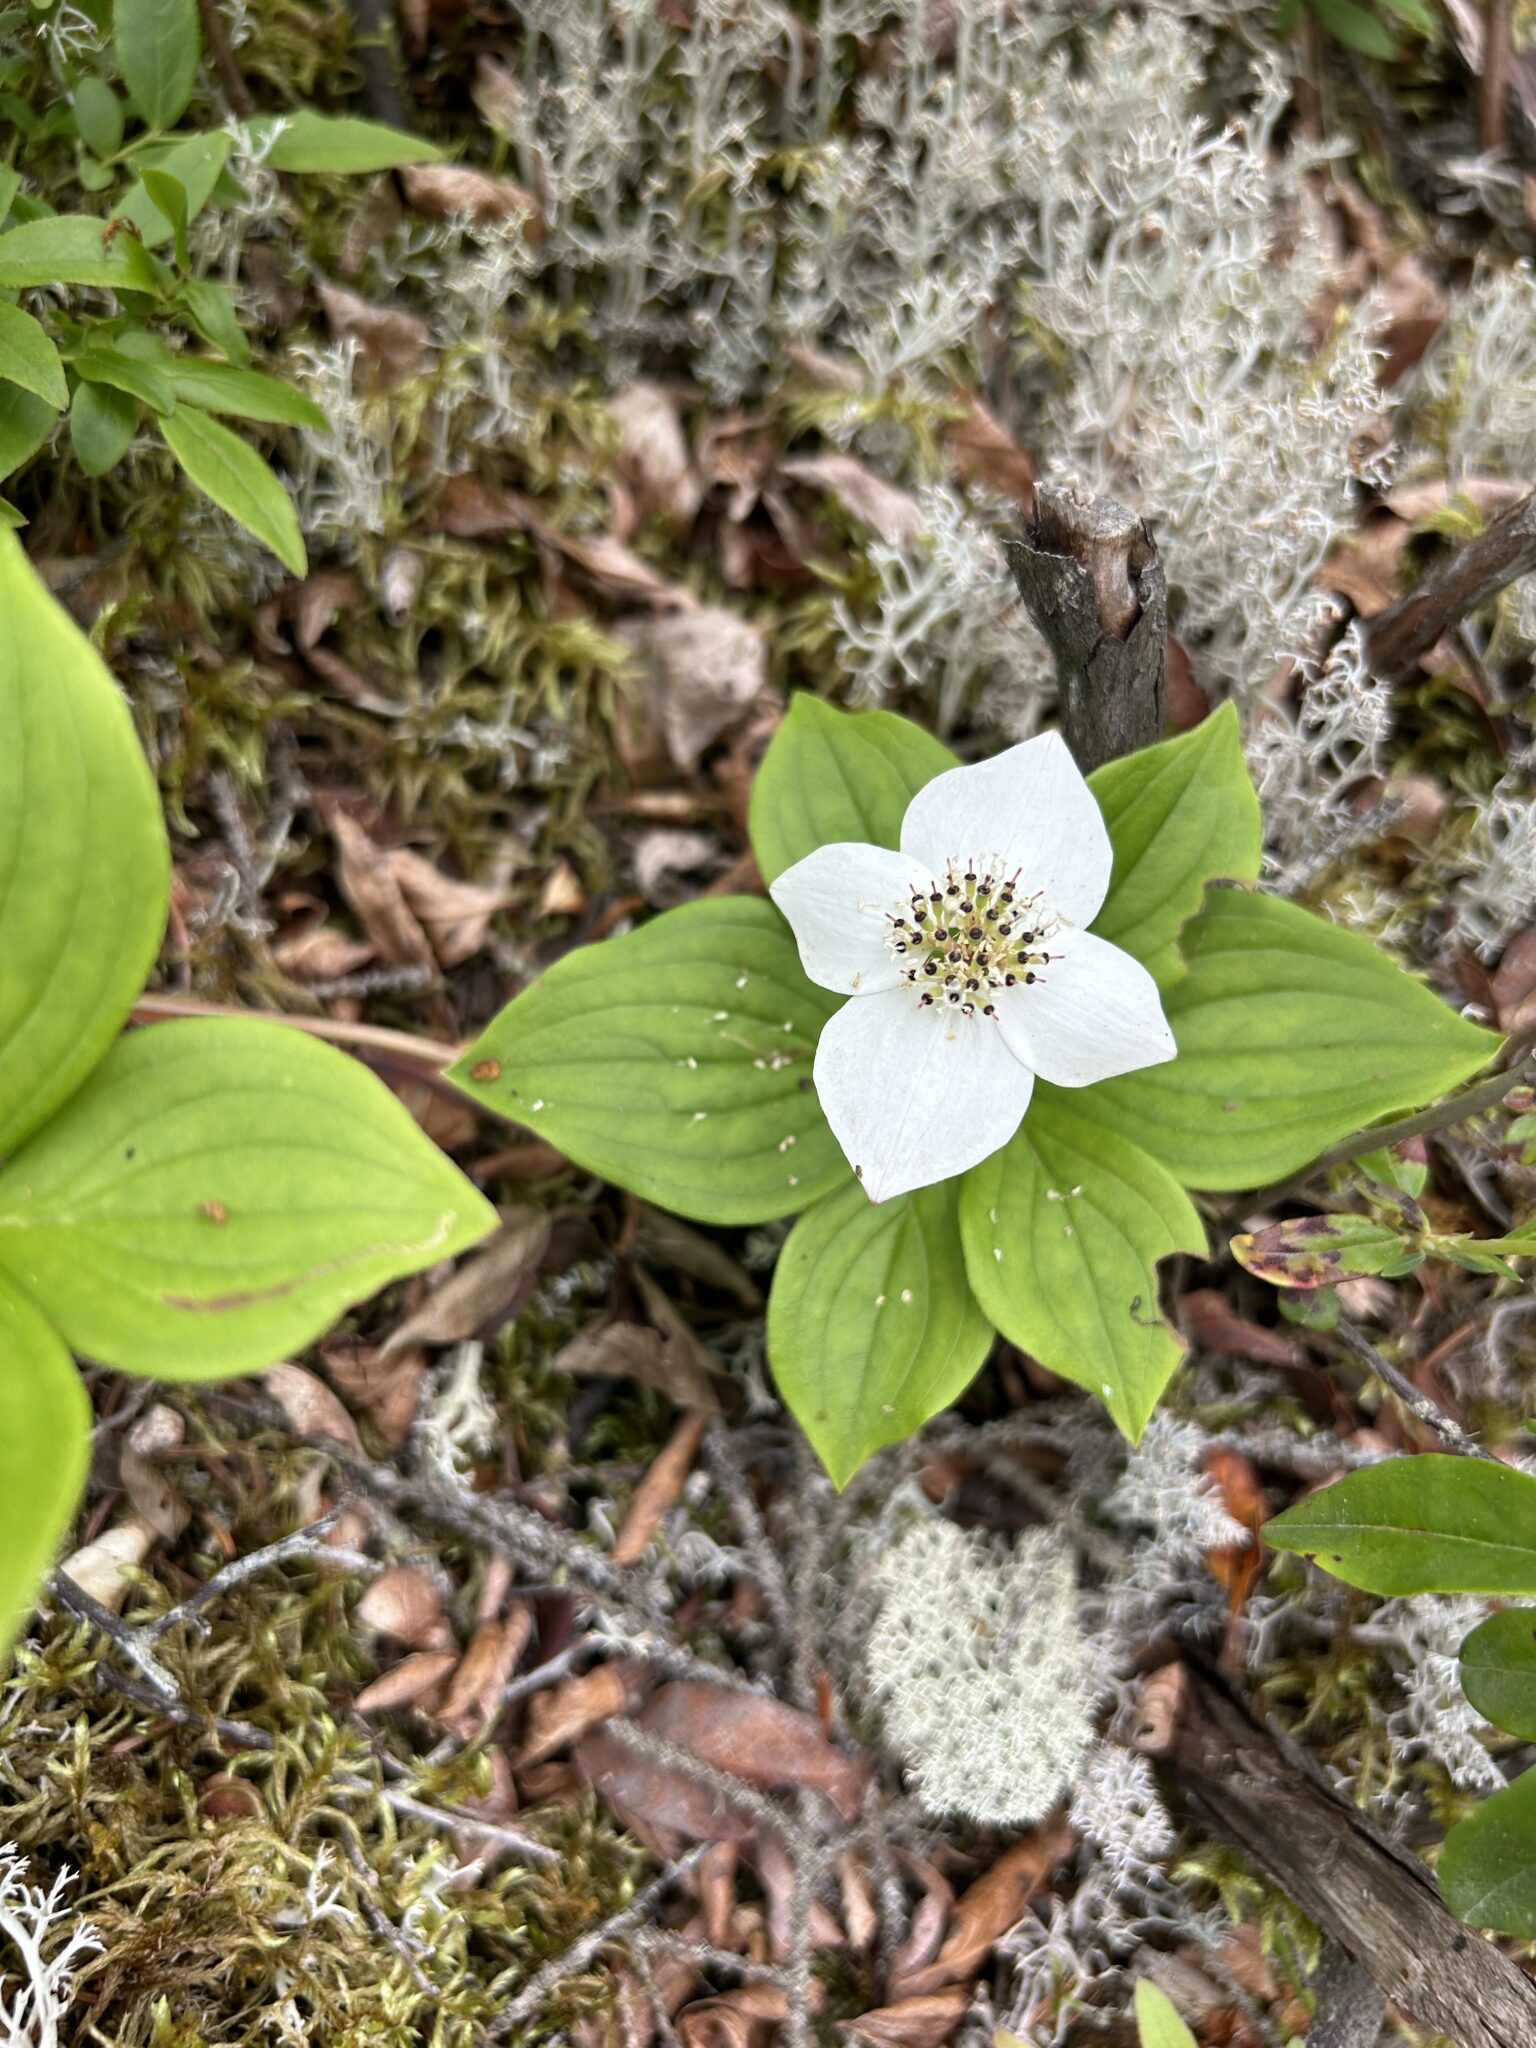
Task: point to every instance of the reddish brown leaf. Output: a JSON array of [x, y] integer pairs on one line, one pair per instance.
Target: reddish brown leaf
[[756, 1738], [408, 1683], [441, 190], [660, 1488], [492, 1285], [563, 1715], [663, 1807], [1209, 1321], [990, 1907], [404, 1602], [922, 2022]]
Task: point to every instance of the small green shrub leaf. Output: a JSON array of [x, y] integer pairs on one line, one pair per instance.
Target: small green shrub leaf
[[1062, 1231], [1498, 1670], [246, 394], [45, 1449], [338, 143], [1429, 1524], [1292, 1034], [231, 473], [217, 1192], [84, 903], [1157, 2020], [29, 358], [103, 364], [98, 116], [676, 1061], [74, 249], [1487, 1869], [193, 167], [1180, 814], [102, 421], [26, 421], [158, 45], [830, 775], [872, 1327]]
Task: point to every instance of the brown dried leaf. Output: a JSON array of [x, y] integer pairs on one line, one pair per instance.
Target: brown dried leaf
[[1160, 1703], [930, 1918], [663, 1807], [563, 1715], [562, 894], [320, 953], [408, 1683], [912, 2022], [879, 504], [486, 1290], [472, 510], [749, 2017], [385, 1385], [310, 1406], [473, 1699], [619, 1351], [102, 1567], [392, 344], [704, 669], [1210, 1322], [366, 878], [455, 914], [441, 190], [150, 1494], [660, 1488], [664, 857], [498, 96], [861, 1917], [992, 1905], [755, 1738], [983, 452], [664, 1240], [653, 453], [405, 1604]]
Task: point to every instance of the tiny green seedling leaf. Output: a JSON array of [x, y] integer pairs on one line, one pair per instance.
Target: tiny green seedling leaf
[[1487, 1869], [158, 46], [231, 473], [337, 143], [1498, 1670], [45, 1450], [1157, 2020], [29, 358], [1429, 1524]]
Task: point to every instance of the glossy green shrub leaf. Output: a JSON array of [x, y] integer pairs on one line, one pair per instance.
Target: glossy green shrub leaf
[[29, 358], [103, 364], [45, 1449], [215, 1195], [1157, 2021], [830, 775], [339, 143], [152, 203], [1063, 1229], [209, 310], [26, 421], [872, 1327], [74, 249], [1487, 1869], [158, 45], [98, 116], [1292, 1034], [246, 394], [1320, 1251], [1429, 1524], [1498, 1670], [1180, 814], [676, 1061], [102, 422], [84, 905], [231, 473]]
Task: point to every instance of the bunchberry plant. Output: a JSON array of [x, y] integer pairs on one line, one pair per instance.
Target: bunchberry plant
[[114, 363], [194, 1199], [958, 1173]]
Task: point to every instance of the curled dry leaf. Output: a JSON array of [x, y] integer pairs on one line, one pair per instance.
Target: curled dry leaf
[[310, 1406], [485, 1290], [408, 1683], [563, 1715], [455, 914], [443, 190], [664, 1807], [653, 453], [629, 1351], [498, 97], [665, 1240], [703, 670], [756, 1738], [404, 1602], [660, 1488], [919, 2022], [414, 914], [392, 344], [929, 1920], [993, 1904], [714, 1879], [884, 507], [385, 1385], [320, 953], [982, 452], [1209, 1321], [748, 2017], [664, 856], [153, 1499], [373, 892], [472, 510], [776, 1875], [562, 894], [104, 1567], [473, 1699]]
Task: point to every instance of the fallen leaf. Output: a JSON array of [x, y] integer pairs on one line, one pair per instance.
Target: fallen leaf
[[653, 453], [748, 2017], [321, 953], [472, 510], [385, 1385], [455, 914], [989, 1907], [483, 1291], [929, 1918], [1160, 1702], [562, 894], [861, 1917], [1210, 1322], [408, 1683], [982, 452], [473, 1699], [664, 857], [151, 1496], [310, 1406], [664, 1240], [629, 1351], [367, 880], [663, 1807], [884, 507], [759, 1739], [567, 1712], [912, 2022], [704, 669], [660, 1488], [444, 190], [404, 1603], [392, 344], [103, 1567]]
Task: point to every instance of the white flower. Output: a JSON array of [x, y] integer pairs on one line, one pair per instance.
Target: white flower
[[970, 965]]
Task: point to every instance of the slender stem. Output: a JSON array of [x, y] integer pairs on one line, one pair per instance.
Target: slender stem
[[1504, 550], [1421, 1407], [421, 1052]]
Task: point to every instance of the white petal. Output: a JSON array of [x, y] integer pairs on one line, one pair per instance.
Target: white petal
[[839, 900], [1029, 808], [1094, 1013], [913, 1095]]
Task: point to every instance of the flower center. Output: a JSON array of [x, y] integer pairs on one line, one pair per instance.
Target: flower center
[[971, 933]]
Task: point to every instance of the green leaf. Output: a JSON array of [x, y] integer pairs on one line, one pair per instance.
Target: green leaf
[[84, 864], [218, 1192], [26, 421], [675, 1061], [102, 421], [209, 311], [45, 1450], [1498, 1670], [1320, 1251], [871, 1325], [29, 358], [830, 775], [1180, 814], [247, 394], [1417, 13], [1355, 27], [237, 480], [98, 116], [191, 167], [1157, 2020], [103, 364], [1487, 1869], [74, 249], [1292, 1034], [1430, 1524], [1062, 1230], [307, 141], [158, 45], [10, 185], [10, 515]]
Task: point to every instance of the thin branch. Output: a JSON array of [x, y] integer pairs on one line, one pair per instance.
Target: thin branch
[[1506, 548], [1421, 1407], [1493, 81], [236, 91], [430, 1053]]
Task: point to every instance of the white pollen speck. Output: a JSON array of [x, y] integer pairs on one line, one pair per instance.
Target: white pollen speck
[[794, 1180], [785, 1143], [906, 1295], [787, 1025], [699, 1116], [991, 1215], [721, 1017], [1054, 1195], [1077, 1191], [1108, 1390], [997, 1252], [760, 1064], [1067, 1230], [858, 979], [879, 1301], [536, 1105], [741, 981]]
